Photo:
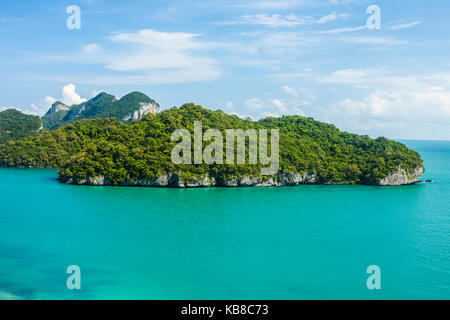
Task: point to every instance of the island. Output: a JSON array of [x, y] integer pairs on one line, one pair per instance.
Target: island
[[127, 142]]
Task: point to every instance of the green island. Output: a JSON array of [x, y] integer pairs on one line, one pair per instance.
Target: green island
[[112, 147]]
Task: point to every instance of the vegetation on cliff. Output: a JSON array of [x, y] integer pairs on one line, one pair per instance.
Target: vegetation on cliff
[[126, 152]]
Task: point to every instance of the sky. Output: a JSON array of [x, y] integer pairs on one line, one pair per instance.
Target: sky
[[314, 58]]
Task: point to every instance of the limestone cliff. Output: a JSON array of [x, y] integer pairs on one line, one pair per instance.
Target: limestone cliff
[[402, 177], [174, 180]]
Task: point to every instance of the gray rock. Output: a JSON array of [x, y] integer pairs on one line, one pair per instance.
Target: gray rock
[[174, 180], [145, 108], [402, 177]]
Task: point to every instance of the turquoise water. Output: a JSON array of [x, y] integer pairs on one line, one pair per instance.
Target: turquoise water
[[306, 242]]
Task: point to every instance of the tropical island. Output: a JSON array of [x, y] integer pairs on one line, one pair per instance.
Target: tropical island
[[127, 142]]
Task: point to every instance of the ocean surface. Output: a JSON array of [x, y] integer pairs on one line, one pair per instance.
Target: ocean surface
[[306, 242]]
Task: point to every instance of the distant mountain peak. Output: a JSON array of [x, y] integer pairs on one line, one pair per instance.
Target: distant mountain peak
[[130, 107], [103, 95]]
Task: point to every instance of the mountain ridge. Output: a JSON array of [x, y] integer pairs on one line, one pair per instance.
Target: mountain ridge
[[130, 107]]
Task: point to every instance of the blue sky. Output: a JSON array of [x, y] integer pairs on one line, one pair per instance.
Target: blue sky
[[253, 58]]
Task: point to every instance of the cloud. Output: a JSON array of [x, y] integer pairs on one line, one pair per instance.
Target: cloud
[[162, 57], [254, 103], [289, 4], [373, 40], [273, 4], [144, 57], [275, 107], [290, 91], [275, 49], [277, 20], [331, 17], [353, 76], [391, 109], [274, 20], [91, 48], [229, 105], [353, 29], [405, 25], [392, 103], [70, 97], [242, 116], [279, 105], [271, 114], [342, 30]]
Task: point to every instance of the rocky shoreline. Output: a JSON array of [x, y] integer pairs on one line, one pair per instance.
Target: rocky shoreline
[[173, 180]]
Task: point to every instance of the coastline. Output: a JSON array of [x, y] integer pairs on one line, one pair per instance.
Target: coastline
[[401, 177]]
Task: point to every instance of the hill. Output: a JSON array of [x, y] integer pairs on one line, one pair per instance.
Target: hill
[[16, 125], [109, 152], [130, 107]]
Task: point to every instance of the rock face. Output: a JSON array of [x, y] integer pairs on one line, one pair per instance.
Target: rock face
[[56, 107], [146, 108], [175, 181], [401, 177]]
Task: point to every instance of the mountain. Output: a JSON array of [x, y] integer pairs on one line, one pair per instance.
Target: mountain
[[53, 118], [131, 107], [110, 152], [16, 125]]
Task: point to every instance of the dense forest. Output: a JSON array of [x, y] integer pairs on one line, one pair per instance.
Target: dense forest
[[17, 125], [126, 152]]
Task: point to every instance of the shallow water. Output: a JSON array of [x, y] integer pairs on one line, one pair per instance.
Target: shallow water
[[306, 242]]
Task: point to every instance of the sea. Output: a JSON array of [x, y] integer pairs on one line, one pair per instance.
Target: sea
[[305, 242]]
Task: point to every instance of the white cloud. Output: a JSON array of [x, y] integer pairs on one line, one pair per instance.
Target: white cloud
[[290, 91], [373, 40], [392, 103], [274, 20], [241, 115], [273, 4], [254, 103], [279, 105], [271, 114], [145, 57], [353, 29], [289, 4], [405, 25], [70, 97], [275, 107], [331, 17], [353, 76], [277, 20], [92, 48], [162, 57], [342, 30]]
